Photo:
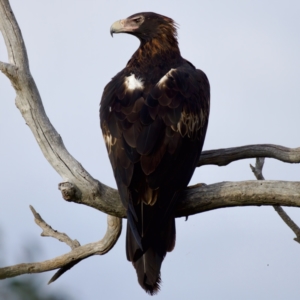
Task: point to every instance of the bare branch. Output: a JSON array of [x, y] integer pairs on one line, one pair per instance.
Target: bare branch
[[79, 186], [195, 200], [289, 222], [49, 231], [244, 193], [9, 70], [201, 198], [257, 170], [62, 237], [114, 226], [11, 32], [29, 102], [223, 157]]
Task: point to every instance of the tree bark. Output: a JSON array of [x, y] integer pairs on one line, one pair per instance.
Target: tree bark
[[80, 187]]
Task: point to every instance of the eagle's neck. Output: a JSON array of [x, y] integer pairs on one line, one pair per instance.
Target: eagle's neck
[[159, 44], [161, 52]]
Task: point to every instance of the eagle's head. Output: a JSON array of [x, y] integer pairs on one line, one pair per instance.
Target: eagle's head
[[146, 26]]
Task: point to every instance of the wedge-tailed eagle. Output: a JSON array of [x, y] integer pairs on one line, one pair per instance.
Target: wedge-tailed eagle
[[154, 115]]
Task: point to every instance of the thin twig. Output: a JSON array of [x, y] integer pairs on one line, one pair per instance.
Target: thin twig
[[49, 231], [257, 170], [289, 222], [223, 157], [114, 227], [79, 186]]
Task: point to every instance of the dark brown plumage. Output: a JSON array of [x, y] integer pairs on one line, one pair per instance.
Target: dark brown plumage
[[154, 116]]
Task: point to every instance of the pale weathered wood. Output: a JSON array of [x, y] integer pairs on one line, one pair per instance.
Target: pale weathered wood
[[112, 234], [243, 193], [29, 103], [223, 157], [225, 194], [80, 187], [50, 232], [257, 170]]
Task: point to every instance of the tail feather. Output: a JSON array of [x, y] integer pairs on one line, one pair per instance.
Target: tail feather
[[148, 271], [171, 239], [147, 262]]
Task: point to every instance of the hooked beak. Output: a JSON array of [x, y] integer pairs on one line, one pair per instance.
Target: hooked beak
[[122, 26], [116, 27]]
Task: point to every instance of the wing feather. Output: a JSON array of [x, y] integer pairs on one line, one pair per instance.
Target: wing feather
[[149, 137], [154, 136]]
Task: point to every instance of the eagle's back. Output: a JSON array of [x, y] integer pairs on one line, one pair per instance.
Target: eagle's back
[[154, 123]]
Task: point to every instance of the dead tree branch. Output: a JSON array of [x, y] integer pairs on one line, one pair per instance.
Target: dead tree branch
[[49, 231], [195, 200], [68, 260], [62, 237], [80, 187], [223, 157], [29, 103], [257, 170], [288, 221]]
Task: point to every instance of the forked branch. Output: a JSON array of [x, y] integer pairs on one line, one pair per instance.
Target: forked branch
[[49, 231], [223, 157], [68, 260], [257, 170], [80, 187]]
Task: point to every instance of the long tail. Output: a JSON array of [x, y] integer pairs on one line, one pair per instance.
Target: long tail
[[147, 261]]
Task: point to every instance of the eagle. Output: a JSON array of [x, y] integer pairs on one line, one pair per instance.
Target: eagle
[[153, 115]]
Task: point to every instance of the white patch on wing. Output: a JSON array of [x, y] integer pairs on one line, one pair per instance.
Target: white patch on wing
[[133, 83], [164, 78]]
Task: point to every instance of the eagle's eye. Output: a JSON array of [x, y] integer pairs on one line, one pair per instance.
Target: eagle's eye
[[137, 20]]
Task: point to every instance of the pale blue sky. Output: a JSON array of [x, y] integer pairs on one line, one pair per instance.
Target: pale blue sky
[[250, 53]]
